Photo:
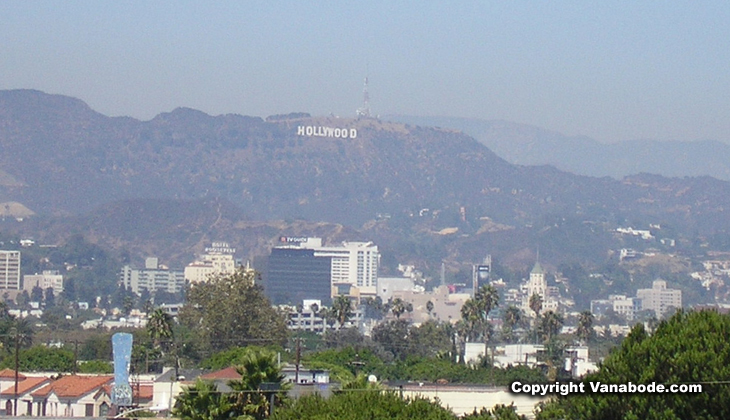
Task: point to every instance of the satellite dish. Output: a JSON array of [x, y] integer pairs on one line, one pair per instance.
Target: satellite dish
[[372, 379]]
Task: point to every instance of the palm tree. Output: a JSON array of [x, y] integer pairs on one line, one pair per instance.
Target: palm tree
[[550, 325], [159, 327], [471, 314], [398, 306], [259, 371], [202, 401], [585, 327], [342, 309], [512, 316], [487, 298]]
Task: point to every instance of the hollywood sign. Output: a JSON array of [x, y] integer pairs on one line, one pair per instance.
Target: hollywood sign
[[319, 131]]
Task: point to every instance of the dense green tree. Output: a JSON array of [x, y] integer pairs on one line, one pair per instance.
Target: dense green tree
[[36, 295], [356, 405], [689, 348], [50, 298], [393, 336], [42, 359], [232, 310], [536, 304]]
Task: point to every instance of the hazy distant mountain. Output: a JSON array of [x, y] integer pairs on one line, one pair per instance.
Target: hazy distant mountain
[[423, 191], [527, 145]]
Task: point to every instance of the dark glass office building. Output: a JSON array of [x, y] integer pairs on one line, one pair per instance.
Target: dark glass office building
[[294, 274]]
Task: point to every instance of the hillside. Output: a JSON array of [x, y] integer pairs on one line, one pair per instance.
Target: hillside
[[426, 194], [527, 145]]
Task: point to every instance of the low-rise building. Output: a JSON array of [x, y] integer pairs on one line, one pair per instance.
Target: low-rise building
[[48, 279]]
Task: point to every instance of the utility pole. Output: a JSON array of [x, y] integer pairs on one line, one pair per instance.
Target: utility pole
[[76, 355], [298, 355], [17, 367]]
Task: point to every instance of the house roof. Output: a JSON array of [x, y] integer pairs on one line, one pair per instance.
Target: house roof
[[227, 373], [10, 374], [24, 386], [73, 386]]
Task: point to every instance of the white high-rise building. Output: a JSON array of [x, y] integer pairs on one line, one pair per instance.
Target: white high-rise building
[[218, 260], [10, 270], [660, 299]]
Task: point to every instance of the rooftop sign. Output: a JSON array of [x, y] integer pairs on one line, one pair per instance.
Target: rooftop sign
[[220, 248]]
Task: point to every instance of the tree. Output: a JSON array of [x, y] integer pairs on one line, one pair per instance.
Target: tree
[[250, 396], [232, 310], [50, 298], [536, 304], [356, 405], [511, 318], [36, 294], [584, 331], [259, 372], [342, 309], [159, 328], [689, 348], [550, 325], [202, 401], [487, 298], [398, 306], [475, 312], [393, 336]]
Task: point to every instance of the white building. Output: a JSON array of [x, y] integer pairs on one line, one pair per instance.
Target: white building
[[154, 277], [537, 285], [48, 279], [10, 270], [620, 304], [217, 260], [660, 299]]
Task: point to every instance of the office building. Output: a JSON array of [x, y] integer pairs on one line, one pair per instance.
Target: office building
[[302, 268]]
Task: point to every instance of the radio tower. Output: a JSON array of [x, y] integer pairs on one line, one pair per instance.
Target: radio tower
[[364, 110]]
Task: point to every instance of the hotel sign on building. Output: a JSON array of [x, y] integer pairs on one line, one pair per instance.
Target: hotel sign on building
[[321, 131]]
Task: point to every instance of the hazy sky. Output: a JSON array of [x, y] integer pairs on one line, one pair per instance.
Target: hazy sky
[[608, 70]]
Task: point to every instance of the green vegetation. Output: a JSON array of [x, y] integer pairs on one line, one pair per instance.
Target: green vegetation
[[367, 404], [231, 311], [250, 398], [689, 348]]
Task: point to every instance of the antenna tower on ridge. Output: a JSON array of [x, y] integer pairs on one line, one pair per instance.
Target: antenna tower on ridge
[[364, 110]]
